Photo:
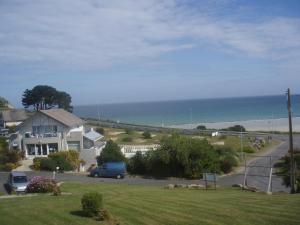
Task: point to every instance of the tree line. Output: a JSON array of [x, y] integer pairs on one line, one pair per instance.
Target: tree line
[[43, 97]]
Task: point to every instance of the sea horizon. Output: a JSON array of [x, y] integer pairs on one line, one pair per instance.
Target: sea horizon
[[192, 111]]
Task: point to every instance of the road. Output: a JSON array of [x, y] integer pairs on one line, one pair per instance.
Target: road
[[256, 167], [255, 181]]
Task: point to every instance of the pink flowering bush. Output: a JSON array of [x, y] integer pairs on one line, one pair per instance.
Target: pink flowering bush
[[41, 185]]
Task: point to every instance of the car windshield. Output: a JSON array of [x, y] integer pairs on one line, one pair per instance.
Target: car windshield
[[20, 179]]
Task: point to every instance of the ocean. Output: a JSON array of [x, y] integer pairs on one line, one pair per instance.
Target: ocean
[[168, 113]]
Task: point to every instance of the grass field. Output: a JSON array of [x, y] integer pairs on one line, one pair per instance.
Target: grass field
[[154, 205], [118, 135]]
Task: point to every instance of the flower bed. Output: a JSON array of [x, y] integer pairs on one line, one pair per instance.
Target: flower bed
[[41, 185]]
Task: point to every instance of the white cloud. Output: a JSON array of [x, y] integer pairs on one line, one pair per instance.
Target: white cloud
[[95, 34]]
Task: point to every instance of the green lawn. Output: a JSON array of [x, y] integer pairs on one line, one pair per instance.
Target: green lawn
[[154, 205]]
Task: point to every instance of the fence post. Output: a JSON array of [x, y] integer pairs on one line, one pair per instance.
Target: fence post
[[269, 191], [245, 175]]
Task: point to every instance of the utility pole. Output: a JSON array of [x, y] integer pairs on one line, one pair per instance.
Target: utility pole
[[292, 166], [242, 151], [98, 112], [191, 118]]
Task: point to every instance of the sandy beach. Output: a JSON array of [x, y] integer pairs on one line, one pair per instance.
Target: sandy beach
[[268, 125]]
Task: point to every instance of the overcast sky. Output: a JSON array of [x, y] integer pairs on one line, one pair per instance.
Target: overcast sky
[[105, 51]]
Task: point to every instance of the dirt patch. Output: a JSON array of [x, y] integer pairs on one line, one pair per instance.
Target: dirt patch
[[115, 133], [114, 138], [140, 141]]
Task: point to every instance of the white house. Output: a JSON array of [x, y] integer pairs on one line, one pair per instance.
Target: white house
[[52, 130], [130, 150], [12, 117]]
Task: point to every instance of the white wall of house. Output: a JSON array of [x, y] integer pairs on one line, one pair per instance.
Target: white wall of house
[[130, 150], [76, 129]]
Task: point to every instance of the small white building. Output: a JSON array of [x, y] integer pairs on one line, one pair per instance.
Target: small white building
[[12, 117], [130, 150]]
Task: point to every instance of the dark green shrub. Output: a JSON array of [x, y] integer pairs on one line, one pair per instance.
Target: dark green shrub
[[111, 153], [62, 163], [137, 164], [66, 160], [47, 164], [227, 163], [91, 203], [127, 139], [100, 130], [248, 149], [37, 163], [128, 131], [236, 128], [177, 156], [146, 135], [201, 127], [285, 170], [9, 159], [227, 158]]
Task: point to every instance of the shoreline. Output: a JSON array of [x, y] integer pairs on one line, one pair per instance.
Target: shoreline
[[268, 125]]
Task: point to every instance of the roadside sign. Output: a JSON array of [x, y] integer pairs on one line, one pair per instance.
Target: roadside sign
[[210, 177]]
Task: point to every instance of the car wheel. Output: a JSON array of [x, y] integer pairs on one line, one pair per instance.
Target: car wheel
[[96, 175], [119, 176]]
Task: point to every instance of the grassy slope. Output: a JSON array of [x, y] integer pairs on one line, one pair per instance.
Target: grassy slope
[[117, 135], [154, 205], [137, 139]]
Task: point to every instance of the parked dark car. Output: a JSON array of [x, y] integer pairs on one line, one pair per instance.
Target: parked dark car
[[110, 169], [17, 181]]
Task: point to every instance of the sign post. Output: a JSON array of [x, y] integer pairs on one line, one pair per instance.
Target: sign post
[[210, 177]]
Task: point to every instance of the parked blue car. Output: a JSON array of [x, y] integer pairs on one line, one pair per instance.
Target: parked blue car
[[110, 169]]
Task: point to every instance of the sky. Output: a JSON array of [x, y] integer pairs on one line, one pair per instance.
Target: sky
[[113, 51]]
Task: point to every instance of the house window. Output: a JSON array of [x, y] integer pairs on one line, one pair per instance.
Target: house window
[[39, 149], [74, 145], [44, 129], [44, 148], [30, 150], [53, 147]]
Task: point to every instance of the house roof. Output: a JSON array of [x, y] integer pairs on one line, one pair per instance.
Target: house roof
[[93, 135], [13, 115], [63, 117]]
